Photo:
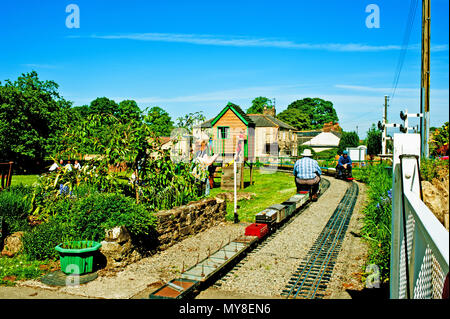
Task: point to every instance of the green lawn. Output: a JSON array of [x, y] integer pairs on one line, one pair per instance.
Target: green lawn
[[269, 189], [24, 179]]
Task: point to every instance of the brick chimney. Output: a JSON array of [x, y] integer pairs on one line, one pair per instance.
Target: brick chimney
[[269, 111]]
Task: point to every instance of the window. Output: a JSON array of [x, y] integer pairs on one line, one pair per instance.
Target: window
[[224, 132]]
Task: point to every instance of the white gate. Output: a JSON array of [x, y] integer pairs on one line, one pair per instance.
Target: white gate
[[419, 242]]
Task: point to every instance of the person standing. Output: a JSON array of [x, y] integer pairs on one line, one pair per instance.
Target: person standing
[[307, 174]]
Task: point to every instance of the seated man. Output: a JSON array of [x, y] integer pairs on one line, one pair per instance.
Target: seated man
[[344, 164], [307, 174]]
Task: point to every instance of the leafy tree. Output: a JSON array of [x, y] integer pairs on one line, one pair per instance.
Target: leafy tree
[[190, 120], [32, 115], [103, 105], [348, 139], [319, 111], [159, 121], [128, 110], [296, 118], [373, 141], [258, 105]]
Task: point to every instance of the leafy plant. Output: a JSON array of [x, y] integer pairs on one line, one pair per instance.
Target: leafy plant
[[19, 268], [377, 219], [15, 203], [439, 141]]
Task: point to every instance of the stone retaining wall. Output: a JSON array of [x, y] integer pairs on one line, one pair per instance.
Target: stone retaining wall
[[181, 222]]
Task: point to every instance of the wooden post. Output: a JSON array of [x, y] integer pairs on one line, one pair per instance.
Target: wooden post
[[251, 174], [425, 79], [242, 176]]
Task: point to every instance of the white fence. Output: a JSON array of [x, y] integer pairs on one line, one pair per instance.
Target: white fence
[[419, 244]]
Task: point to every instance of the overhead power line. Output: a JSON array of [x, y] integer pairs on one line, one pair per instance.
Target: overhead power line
[[403, 50]]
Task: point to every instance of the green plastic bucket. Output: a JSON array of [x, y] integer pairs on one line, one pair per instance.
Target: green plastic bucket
[[77, 261]]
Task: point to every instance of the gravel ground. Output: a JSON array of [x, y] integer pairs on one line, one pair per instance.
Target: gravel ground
[[266, 272], [138, 280]]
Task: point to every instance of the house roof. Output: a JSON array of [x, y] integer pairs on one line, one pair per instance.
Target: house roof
[[262, 120], [324, 139], [258, 120], [237, 110], [207, 124]]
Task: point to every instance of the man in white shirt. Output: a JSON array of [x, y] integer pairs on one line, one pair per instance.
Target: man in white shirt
[[54, 166], [77, 165]]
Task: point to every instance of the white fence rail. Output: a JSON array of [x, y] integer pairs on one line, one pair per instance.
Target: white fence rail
[[420, 243]]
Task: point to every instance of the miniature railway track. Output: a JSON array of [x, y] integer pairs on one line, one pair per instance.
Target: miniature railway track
[[325, 184], [312, 276]]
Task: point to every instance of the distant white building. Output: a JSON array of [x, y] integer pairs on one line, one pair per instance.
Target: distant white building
[[319, 141]]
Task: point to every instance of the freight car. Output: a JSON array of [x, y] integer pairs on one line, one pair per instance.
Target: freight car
[[266, 222]]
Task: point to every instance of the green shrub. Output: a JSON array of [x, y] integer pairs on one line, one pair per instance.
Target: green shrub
[[87, 218], [40, 243], [15, 203], [377, 219], [430, 167]]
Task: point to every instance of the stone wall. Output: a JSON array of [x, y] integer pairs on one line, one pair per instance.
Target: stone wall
[[181, 222], [174, 225]]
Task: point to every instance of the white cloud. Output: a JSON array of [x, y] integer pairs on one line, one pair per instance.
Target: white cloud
[[244, 41], [39, 66]]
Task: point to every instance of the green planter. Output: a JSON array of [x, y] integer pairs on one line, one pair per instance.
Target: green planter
[[77, 257]]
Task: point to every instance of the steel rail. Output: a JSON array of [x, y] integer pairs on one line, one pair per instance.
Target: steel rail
[[339, 239], [331, 247], [334, 227], [325, 184], [319, 244]]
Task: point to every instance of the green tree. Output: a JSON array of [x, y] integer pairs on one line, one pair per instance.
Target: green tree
[[32, 115], [373, 141], [190, 120], [319, 111], [103, 105], [296, 118], [348, 139], [258, 105], [159, 121], [128, 110]]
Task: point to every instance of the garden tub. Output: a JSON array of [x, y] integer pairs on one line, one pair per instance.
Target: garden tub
[[77, 257]]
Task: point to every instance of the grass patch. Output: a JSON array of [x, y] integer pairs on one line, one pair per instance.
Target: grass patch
[[24, 179], [270, 189], [20, 268]]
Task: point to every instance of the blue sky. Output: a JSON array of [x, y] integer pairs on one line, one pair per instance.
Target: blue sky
[[188, 56]]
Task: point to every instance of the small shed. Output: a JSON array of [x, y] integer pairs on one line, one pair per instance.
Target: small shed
[[357, 154]]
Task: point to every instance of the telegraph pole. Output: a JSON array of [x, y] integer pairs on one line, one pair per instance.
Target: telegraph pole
[[425, 80]]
